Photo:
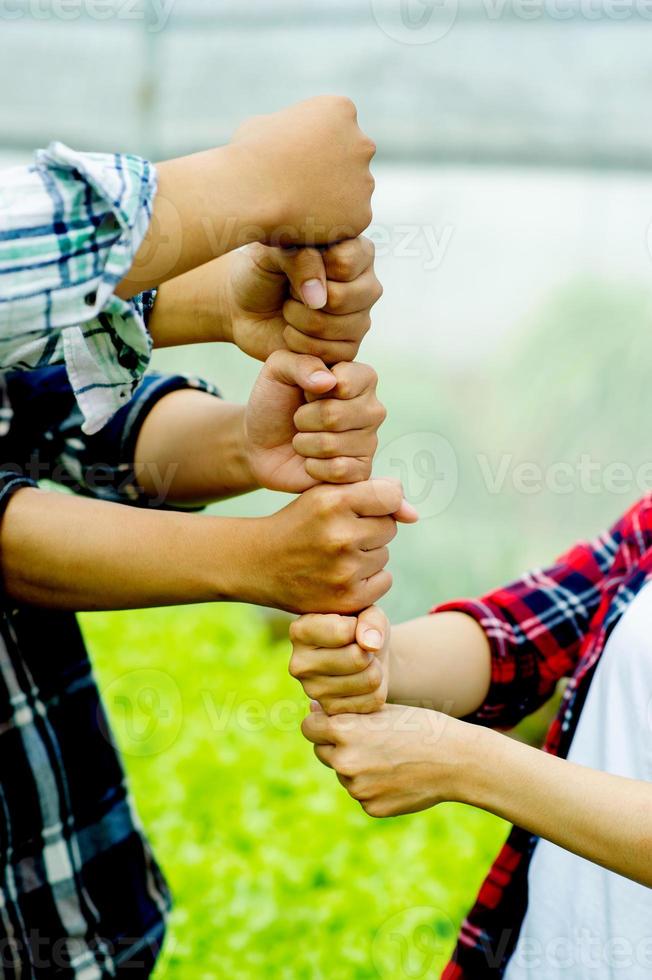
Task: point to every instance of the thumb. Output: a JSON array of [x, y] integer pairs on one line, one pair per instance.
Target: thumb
[[300, 370], [371, 630], [306, 271]]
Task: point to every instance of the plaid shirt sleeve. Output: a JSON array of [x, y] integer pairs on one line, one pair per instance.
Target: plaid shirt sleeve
[[70, 225], [536, 626]]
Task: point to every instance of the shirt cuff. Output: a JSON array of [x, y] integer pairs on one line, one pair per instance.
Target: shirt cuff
[[114, 477], [107, 200]]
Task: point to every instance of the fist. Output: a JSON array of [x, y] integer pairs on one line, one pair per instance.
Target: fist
[[342, 661], [308, 300], [310, 166], [331, 438], [327, 550]]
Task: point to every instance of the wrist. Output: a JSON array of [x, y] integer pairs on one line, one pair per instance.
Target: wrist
[[473, 773], [259, 214], [236, 566]]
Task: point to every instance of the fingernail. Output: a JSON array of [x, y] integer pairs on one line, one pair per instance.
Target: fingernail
[[373, 639], [314, 294], [409, 510], [321, 377]]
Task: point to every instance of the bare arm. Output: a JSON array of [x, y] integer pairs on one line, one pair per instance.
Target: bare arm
[[192, 449], [441, 661], [604, 818], [402, 760]]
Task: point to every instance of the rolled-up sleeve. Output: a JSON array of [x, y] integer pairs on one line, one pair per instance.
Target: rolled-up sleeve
[[46, 440], [536, 626], [70, 226]]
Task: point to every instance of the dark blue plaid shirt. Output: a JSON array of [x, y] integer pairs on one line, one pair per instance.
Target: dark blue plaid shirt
[[80, 894]]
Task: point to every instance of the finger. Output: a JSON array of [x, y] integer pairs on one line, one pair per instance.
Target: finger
[[372, 562], [347, 260], [346, 685], [372, 628], [378, 498], [340, 469], [376, 532], [308, 662], [333, 415], [318, 630], [353, 297], [327, 445], [374, 588], [326, 326], [330, 351], [318, 729], [325, 754], [306, 272], [300, 371], [363, 704]]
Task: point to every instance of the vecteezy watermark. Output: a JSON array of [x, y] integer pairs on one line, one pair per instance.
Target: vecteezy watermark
[[412, 943], [426, 243], [415, 21], [563, 477], [154, 14], [426, 465], [427, 21], [146, 711]]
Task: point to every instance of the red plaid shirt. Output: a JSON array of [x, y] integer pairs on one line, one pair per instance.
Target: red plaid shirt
[[551, 624]]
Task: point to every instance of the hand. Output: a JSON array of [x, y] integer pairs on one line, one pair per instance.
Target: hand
[[327, 550], [310, 301], [342, 661], [292, 445], [399, 760], [309, 167]]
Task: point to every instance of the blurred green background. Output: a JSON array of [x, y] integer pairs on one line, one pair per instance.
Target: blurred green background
[[512, 222]]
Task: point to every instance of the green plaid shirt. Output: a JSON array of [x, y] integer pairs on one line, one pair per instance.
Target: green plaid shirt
[[70, 225]]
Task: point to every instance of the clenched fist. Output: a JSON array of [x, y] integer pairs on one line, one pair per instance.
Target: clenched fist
[[331, 438], [310, 166]]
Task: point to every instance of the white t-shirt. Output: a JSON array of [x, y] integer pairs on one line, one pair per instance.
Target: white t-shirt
[[582, 922]]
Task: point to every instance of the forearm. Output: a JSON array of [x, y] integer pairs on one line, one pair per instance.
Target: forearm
[[193, 308], [442, 662], [65, 552], [192, 449], [604, 818], [204, 208]]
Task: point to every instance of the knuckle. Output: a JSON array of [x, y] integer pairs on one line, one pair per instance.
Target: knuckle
[[373, 808], [345, 764], [331, 413], [339, 469], [336, 294], [344, 573], [296, 668]]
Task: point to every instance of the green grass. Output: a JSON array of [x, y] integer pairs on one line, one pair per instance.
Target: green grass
[[275, 871]]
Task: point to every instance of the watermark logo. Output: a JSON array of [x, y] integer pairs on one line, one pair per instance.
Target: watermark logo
[[146, 711], [426, 465], [415, 21], [412, 944]]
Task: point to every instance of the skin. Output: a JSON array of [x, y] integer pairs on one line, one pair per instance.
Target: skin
[[265, 299], [327, 549], [296, 177], [398, 758]]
